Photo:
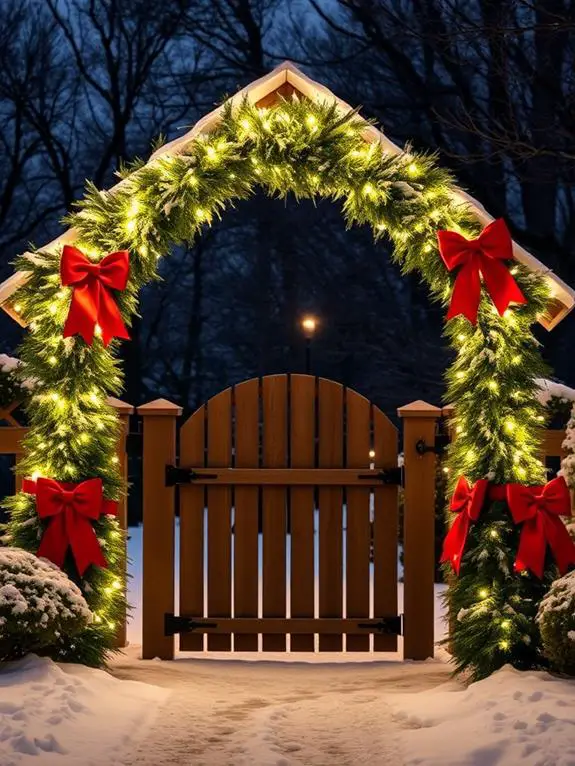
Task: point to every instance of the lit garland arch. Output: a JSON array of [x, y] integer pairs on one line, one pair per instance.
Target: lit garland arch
[[310, 150]]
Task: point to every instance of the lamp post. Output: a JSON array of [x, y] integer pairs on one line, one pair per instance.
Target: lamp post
[[309, 326]]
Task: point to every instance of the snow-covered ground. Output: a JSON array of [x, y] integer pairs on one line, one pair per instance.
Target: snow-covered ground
[[309, 710], [70, 715]]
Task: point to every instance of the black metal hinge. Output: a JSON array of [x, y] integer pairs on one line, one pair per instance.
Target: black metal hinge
[[387, 476], [174, 624], [176, 475], [439, 446], [390, 626]]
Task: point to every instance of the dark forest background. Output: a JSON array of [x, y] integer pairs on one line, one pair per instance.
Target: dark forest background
[[490, 84]]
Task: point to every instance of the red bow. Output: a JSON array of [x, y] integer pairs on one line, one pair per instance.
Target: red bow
[[92, 302], [466, 503], [70, 509], [539, 509], [481, 257]]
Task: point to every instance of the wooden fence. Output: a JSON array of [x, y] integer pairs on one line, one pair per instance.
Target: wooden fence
[[329, 478]]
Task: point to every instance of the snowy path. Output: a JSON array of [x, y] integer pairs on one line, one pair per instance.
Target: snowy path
[[275, 713]]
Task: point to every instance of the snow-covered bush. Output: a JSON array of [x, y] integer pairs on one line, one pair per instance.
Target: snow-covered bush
[[556, 618], [38, 604]]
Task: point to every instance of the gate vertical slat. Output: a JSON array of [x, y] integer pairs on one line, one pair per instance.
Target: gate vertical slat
[[219, 517], [192, 504], [246, 511], [330, 408], [385, 530], [357, 517], [302, 442], [274, 393]]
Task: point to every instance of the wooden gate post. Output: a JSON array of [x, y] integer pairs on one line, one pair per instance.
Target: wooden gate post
[[419, 421], [159, 514], [124, 411]]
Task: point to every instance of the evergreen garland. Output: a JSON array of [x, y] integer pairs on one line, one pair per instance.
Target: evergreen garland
[[310, 150]]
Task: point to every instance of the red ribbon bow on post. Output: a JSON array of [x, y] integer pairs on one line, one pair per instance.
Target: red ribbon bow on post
[[92, 302], [466, 503], [70, 509], [476, 258], [539, 509]]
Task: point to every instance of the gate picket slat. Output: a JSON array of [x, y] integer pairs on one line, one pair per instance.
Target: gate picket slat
[[192, 504], [274, 400], [330, 410], [302, 443], [357, 517], [385, 530], [219, 517], [246, 504]]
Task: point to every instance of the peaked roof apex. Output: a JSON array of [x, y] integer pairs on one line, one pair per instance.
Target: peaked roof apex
[[264, 88]]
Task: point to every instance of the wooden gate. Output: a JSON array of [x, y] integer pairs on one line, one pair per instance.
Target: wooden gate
[[288, 506]]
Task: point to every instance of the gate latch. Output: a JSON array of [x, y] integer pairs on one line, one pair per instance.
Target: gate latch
[[176, 475], [439, 446], [390, 626], [386, 476], [174, 624]]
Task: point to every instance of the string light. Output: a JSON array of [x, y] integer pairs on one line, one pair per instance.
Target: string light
[[483, 593], [413, 169], [311, 122]]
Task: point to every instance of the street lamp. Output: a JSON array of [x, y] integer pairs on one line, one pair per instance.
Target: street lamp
[[309, 326]]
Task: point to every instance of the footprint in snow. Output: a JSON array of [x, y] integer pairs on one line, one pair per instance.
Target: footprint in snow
[[49, 744]]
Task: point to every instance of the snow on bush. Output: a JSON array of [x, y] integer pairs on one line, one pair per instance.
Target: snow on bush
[[38, 604], [556, 618]]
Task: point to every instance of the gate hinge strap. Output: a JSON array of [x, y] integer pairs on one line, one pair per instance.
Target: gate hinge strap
[[386, 625]]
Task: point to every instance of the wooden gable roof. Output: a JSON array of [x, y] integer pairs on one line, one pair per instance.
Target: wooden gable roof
[[283, 81]]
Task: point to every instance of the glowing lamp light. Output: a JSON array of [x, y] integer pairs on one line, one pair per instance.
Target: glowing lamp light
[[309, 325]]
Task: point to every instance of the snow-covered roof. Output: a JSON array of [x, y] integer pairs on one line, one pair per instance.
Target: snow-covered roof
[[284, 80], [549, 389]]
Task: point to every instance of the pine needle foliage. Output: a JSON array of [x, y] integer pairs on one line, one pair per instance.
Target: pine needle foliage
[[309, 150]]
